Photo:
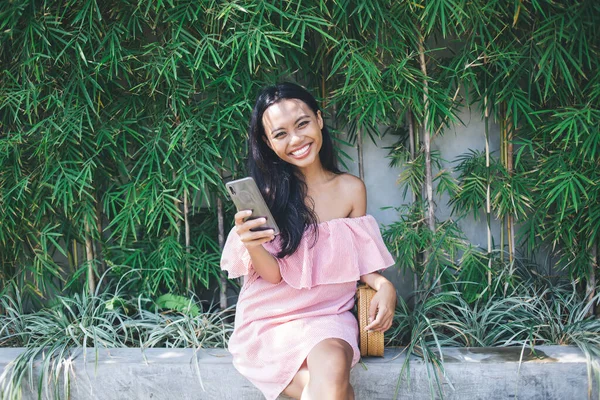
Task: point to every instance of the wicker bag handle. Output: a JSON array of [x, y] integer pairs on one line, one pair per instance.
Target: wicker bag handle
[[371, 343]]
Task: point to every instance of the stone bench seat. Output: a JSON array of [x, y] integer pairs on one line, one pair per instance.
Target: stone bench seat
[[553, 372]]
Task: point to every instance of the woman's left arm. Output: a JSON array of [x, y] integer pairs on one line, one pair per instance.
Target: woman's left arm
[[383, 304]]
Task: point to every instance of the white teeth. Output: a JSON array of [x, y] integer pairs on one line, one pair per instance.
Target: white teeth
[[301, 151]]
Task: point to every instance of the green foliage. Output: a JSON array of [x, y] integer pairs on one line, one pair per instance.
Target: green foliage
[[53, 336], [535, 67], [177, 303], [535, 311], [567, 187], [114, 114], [408, 238], [537, 64], [509, 193]]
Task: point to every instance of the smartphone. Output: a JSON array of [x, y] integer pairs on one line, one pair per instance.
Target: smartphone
[[246, 196]]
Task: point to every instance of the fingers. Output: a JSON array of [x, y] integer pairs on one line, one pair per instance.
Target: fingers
[[382, 323], [373, 309], [244, 229], [240, 215], [383, 319]]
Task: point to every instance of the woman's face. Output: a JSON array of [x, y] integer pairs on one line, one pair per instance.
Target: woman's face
[[293, 131]]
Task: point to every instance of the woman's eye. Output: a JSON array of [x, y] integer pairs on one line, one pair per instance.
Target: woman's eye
[[303, 123], [279, 134]]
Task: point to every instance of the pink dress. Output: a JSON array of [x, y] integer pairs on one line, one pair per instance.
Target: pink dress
[[276, 325]]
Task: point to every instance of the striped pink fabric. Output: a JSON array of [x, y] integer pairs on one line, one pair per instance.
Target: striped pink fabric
[[276, 325]]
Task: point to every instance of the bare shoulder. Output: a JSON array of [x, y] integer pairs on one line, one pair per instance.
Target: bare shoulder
[[351, 184], [354, 189]]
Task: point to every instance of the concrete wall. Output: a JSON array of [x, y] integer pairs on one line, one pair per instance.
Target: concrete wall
[[459, 140], [383, 191]]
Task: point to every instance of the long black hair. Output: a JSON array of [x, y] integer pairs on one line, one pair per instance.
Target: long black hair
[[281, 184]]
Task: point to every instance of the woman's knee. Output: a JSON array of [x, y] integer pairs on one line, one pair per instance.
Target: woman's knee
[[331, 361]]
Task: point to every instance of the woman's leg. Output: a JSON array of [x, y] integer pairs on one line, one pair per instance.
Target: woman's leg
[[329, 364], [298, 383]]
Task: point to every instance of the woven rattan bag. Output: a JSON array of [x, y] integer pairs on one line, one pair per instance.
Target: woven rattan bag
[[371, 343]]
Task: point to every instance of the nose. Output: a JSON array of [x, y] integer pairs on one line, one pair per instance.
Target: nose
[[296, 138]]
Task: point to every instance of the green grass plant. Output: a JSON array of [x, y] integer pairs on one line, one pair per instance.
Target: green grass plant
[[73, 326], [535, 311]]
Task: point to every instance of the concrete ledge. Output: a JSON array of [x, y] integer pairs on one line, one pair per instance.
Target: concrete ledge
[[554, 372]]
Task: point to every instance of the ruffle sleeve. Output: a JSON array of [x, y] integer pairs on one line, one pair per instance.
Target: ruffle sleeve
[[346, 249], [235, 258]]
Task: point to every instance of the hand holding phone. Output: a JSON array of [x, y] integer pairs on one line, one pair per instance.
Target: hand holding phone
[[247, 230], [253, 213]]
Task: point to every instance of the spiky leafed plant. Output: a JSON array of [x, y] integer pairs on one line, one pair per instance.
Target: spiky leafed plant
[[81, 324], [534, 312]]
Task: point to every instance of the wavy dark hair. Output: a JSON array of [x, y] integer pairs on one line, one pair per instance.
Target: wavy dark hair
[[281, 184]]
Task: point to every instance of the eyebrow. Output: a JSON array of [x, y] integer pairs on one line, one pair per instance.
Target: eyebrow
[[277, 129]]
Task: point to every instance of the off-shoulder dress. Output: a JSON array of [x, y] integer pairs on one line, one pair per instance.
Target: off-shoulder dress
[[276, 325]]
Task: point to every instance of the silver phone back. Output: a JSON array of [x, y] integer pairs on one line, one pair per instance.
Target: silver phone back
[[246, 196]]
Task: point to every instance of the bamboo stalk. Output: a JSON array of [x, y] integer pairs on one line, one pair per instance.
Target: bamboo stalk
[[75, 252], [427, 140], [591, 282], [508, 162], [359, 148], [98, 243], [176, 203], [411, 144], [503, 221], [187, 240], [505, 218], [91, 280], [510, 168], [488, 206], [223, 278], [71, 256], [430, 216]]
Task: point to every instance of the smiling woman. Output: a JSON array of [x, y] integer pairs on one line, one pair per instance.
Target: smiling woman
[[293, 132], [293, 320]]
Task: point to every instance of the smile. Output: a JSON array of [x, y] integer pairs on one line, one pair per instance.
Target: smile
[[302, 151]]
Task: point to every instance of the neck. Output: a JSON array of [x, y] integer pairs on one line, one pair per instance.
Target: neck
[[315, 174]]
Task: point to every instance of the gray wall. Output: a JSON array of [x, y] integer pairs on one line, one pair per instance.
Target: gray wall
[[382, 189], [457, 141]]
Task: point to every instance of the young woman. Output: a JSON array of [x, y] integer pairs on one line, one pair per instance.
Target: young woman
[[294, 330]]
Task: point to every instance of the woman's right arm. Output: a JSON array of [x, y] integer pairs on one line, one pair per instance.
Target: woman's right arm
[[263, 262]]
